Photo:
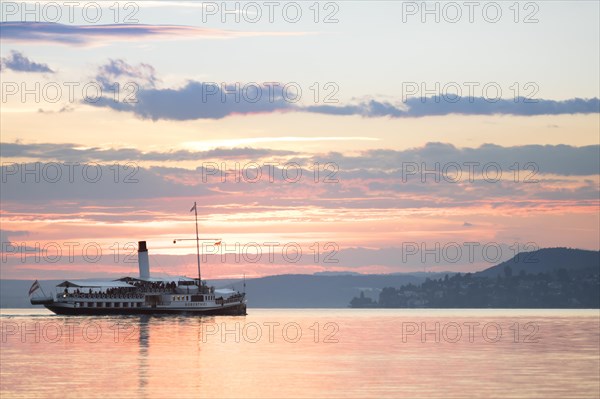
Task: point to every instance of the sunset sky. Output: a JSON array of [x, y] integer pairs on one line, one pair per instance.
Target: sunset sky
[[157, 106]]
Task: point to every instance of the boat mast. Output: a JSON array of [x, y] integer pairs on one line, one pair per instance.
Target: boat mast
[[197, 246], [197, 239]]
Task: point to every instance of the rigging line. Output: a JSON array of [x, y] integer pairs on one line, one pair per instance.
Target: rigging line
[[155, 260]]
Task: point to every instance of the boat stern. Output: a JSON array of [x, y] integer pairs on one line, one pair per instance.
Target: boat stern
[[41, 300]]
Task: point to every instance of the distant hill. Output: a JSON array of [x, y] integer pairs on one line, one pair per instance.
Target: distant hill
[[546, 260], [345, 273], [309, 291], [547, 278]]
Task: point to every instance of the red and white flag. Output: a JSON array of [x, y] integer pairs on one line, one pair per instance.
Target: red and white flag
[[34, 287]]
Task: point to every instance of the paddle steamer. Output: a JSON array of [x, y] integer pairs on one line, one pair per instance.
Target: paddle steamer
[[143, 294]]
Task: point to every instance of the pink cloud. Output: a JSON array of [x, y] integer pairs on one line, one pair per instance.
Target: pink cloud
[[86, 35]]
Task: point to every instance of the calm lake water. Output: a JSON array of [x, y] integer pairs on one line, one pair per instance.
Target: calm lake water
[[276, 353]]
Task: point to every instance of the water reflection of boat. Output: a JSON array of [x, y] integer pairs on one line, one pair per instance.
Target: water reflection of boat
[[142, 295]]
